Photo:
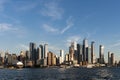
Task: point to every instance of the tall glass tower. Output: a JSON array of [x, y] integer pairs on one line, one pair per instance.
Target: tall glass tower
[[101, 54], [85, 45], [33, 52], [92, 52], [45, 50], [42, 53]]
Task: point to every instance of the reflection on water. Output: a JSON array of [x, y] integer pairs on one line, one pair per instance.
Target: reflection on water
[[61, 74]]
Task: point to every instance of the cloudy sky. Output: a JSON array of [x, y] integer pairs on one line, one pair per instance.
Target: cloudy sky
[[58, 22]]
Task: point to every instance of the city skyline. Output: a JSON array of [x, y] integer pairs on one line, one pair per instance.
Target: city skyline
[[58, 23]]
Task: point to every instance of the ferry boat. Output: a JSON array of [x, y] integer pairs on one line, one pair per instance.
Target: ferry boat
[[19, 65]]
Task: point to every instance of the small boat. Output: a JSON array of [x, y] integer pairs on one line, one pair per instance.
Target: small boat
[[19, 65]]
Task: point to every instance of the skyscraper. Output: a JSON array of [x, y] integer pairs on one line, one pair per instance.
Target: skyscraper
[[42, 53], [112, 59], [79, 52], [61, 56], [39, 53], [101, 54], [45, 55], [45, 50], [88, 55], [33, 52], [71, 52], [92, 53], [85, 45], [109, 58]]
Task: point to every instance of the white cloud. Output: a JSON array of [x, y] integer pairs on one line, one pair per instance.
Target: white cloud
[[24, 47], [7, 27], [70, 39], [53, 10], [12, 29], [69, 24], [49, 28], [116, 44]]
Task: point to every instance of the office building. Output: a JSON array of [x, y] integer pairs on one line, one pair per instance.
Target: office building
[[79, 53], [109, 58], [27, 55], [33, 53], [14, 59], [93, 59], [51, 59], [112, 59], [38, 55], [101, 54], [61, 58], [88, 55], [85, 45], [71, 52], [45, 50], [67, 57], [42, 52]]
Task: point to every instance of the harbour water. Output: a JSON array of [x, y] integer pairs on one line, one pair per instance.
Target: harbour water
[[60, 74]]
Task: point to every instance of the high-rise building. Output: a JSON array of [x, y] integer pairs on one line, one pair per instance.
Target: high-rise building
[[61, 58], [51, 59], [71, 52], [85, 45], [27, 55], [93, 59], [109, 58], [112, 59], [14, 59], [45, 50], [42, 53], [88, 55], [38, 55], [79, 52], [101, 54], [67, 57], [33, 52]]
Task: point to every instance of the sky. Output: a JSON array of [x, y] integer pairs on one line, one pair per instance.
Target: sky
[[59, 22]]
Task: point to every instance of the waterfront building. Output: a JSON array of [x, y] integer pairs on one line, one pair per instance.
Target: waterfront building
[[112, 59], [67, 57], [79, 52], [85, 45], [45, 50], [9, 59], [93, 59], [33, 52], [38, 55], [88, 55], [42, 52], [61, 58], [44, 62], [27, 55], [51, 59], [101, 54], [6, 58], [71, 52], [14, 59], [109, 58], [49, 62]]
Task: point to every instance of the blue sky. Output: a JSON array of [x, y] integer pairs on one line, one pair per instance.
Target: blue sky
[[58, 22]]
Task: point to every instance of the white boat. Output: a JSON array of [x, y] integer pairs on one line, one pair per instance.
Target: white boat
[[19, 64]]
